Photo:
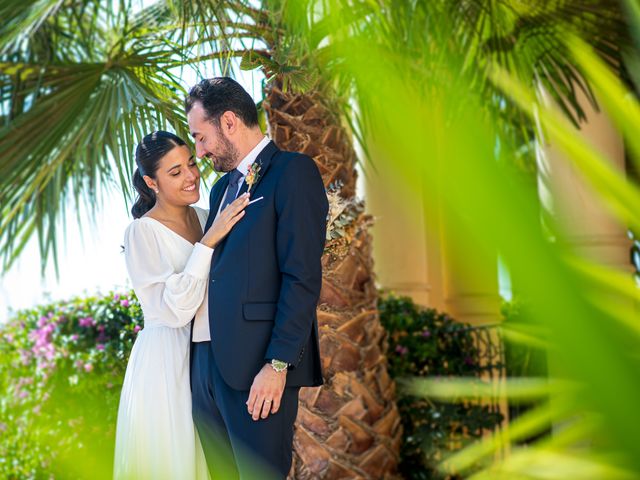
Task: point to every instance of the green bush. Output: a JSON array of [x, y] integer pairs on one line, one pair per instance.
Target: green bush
[[523, 360], [61, 370], [423, 342], [62, 366]]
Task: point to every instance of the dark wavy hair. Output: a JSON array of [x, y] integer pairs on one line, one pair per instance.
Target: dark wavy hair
[[150, 150], [221, 94]]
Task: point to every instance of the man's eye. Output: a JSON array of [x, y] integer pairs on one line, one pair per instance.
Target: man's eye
[[175, 174]]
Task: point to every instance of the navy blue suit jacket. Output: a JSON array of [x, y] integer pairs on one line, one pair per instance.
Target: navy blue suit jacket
[[266, 274]]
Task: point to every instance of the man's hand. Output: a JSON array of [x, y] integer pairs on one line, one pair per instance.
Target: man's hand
[[266, 392]]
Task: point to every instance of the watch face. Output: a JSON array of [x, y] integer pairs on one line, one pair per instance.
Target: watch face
[[279, 365]]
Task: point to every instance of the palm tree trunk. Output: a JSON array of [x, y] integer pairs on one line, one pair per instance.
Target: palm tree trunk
[[350, 427]]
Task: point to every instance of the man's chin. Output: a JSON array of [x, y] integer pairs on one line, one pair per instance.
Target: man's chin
[[220, 168]]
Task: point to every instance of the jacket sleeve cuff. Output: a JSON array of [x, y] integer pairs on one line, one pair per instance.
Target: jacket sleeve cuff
[[199, 262], [284, 355]]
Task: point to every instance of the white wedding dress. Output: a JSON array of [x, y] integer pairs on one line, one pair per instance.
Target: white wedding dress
[[155, 435]]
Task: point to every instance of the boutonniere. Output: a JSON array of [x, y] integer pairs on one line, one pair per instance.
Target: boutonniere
[[253, 173]]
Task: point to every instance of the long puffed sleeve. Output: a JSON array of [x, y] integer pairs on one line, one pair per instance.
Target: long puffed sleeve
[[168, 297]]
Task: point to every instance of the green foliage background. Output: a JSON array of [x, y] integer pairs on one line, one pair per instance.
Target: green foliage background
[[61, 370], [62, 367], [427, 343]]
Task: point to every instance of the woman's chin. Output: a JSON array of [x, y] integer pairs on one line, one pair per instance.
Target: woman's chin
[[191, 197]]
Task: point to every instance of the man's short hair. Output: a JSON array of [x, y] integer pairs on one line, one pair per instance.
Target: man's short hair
[[221, 94]]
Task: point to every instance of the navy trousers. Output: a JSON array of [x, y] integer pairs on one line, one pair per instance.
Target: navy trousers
[[235, 445]]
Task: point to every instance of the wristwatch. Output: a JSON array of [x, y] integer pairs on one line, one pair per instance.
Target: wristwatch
[[278, 365]]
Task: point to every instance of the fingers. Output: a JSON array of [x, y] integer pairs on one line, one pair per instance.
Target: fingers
[[233, 209], [234, 212], [237, 205], [266, 408], [258, 404], [276, 402], [232, 221], [266, 393], [251, 403]]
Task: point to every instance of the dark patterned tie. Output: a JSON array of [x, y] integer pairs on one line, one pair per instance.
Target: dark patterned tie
[[232, 190]]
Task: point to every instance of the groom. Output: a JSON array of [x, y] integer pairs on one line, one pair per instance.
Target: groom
[[259, 342]]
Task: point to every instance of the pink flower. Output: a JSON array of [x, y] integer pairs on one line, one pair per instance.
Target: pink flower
[[22, 381], [402, 350], [116, 297], [124, 303], [74, 337], [25, 357], [48, 329], [79, 364], [36, 410], [100, 346], [426, 333], [88, 367], [86, 322], [49, 352], [22, 394], [137, 328], [42, 322]]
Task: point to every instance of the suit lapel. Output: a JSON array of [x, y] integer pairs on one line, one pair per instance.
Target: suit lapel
[[216, 197], [264, 160]]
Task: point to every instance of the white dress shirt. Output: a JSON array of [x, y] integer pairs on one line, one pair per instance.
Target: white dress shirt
[[201, 324]]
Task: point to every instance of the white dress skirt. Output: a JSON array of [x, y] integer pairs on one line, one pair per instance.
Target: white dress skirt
[[155, 435]]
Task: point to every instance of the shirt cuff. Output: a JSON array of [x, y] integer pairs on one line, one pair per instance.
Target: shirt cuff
[[199, 262]]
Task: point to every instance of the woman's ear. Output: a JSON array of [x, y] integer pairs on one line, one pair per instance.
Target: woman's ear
[[151, 183]]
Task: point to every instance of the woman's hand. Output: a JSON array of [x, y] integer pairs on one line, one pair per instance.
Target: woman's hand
[[225, 221]]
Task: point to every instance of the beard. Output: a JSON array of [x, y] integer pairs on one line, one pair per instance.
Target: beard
[[226, 159]]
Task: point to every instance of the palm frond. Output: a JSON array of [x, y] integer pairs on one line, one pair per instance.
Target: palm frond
[[70, 124]]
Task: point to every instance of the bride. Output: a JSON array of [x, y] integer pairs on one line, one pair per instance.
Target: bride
[[168, 260]]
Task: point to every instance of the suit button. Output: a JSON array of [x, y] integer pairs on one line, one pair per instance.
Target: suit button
[[212, 281]]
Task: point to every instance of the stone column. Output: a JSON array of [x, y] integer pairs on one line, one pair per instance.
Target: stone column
[[416, 254], [585, 223], [407, 260]]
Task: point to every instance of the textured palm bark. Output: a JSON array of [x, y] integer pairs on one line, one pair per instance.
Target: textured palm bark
[[350, 427]]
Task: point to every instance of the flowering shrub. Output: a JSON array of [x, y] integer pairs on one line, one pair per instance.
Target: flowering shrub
[[62, 366], [61, 369], [423, 342]]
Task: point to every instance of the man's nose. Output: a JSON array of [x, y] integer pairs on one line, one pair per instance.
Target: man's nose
[[200, 151]]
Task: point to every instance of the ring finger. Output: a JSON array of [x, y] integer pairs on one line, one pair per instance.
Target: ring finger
[[266, 408]]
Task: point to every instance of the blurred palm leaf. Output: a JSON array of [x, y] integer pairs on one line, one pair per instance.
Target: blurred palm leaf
[[439, 131]]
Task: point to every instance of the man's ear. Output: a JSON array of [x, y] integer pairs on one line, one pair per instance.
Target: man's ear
[[229, 122]]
